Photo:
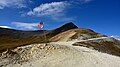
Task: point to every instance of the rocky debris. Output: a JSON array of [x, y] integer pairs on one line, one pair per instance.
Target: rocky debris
[[20, 54], [54, 55], [26, 53]]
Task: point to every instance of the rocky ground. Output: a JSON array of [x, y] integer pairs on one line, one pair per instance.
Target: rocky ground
[[57, 55]]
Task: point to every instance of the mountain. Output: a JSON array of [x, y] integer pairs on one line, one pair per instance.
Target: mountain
[[90, 39], [76, 34], [66, 46], [10, 38], [63, 28]]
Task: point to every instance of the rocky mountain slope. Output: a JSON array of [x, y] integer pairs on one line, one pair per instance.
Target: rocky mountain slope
[[78, 34], [66, 46], [10, 38], [107, 45], [56, 55]]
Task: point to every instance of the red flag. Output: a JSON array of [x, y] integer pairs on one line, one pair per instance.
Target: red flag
[[40, 25]]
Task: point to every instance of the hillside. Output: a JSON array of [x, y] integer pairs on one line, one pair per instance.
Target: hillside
[[76, 34], [10, 38], [108, 45], [66, 46], [56, 55]]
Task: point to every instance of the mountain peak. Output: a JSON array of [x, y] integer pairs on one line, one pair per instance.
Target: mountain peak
[[66, 27], [63, 28], [70, 25]]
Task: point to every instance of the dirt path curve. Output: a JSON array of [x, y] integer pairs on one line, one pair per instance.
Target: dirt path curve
[[72, 42]]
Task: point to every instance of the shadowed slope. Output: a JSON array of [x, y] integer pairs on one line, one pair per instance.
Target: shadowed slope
[[108, 45], [10, 38]]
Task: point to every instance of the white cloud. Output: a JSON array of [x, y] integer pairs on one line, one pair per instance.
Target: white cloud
[[13, 3], [25, 26], [55, 10], [49, 9], [5, 27], [54, 7]]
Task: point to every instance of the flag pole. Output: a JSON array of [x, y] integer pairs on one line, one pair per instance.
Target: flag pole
[[41, 27], [44, 33]]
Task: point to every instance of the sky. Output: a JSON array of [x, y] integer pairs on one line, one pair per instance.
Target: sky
[[102, 16]]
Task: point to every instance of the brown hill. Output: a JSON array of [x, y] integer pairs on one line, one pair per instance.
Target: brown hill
[[108, 45], [10, 38], [79, 34]]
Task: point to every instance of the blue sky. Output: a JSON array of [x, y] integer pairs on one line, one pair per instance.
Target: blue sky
[[102, 16]]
